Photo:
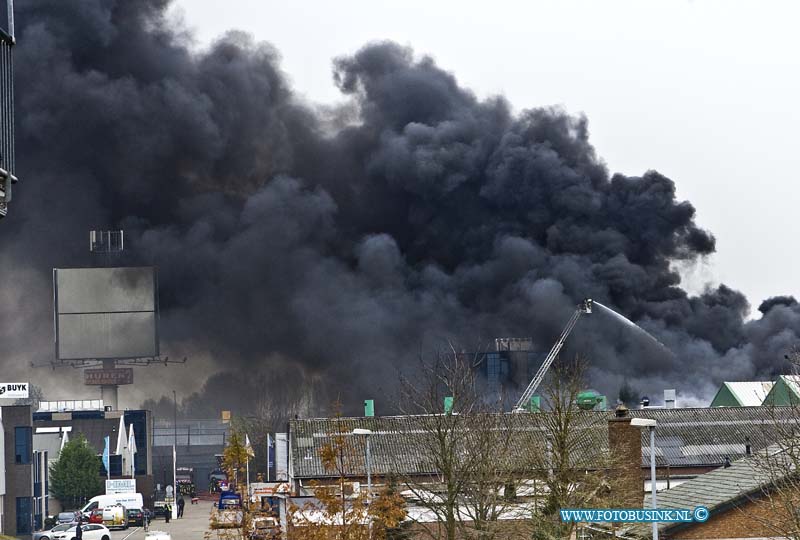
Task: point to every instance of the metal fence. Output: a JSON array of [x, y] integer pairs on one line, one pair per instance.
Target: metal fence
[[7, 165]]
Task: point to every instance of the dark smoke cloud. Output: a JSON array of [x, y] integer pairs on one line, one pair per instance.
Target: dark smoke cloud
[[770, 303], [339, 254]]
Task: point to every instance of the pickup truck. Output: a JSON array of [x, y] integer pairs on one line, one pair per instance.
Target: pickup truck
[[228, 512]]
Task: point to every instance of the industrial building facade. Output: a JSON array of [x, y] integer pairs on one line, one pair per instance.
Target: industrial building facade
[[52, 428], [24, 482]]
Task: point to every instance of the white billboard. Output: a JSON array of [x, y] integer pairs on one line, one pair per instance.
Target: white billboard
[[123, 485], [105, 313]]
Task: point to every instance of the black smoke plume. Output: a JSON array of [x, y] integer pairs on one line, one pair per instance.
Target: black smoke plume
[[333, 245]]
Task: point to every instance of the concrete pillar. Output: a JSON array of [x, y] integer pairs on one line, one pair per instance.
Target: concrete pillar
[[109, 395]]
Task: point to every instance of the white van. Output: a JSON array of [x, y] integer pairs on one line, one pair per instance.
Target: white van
[[128, 500]]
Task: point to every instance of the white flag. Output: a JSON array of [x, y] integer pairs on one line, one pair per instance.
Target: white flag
[[122, 439], [131, 452], [248, 447], [122, 444], [64, 439]]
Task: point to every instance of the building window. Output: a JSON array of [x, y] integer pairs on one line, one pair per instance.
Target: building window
[[24, 516], [23, 441], [37, 513], [496, 369], [535, 361]]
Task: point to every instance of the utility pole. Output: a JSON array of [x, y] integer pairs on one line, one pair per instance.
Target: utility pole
[[175, 416], [175, 449]]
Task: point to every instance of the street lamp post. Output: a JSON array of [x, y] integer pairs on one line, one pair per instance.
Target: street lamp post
[[651, 426], [367, 433]]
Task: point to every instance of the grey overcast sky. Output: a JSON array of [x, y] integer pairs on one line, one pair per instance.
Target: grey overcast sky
[[703, 91]]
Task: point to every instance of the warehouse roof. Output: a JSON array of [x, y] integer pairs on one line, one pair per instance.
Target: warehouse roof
[[399, 444], [749, 393], [48, 442], [701, 437]]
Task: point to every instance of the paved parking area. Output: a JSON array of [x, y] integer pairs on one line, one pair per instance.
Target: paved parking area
[[192, 526]]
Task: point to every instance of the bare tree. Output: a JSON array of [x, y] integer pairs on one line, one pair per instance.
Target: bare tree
[[774, 506], [270, 412], [35, 396], [572, 467], [341, 513], [466, 445], [473, 458]]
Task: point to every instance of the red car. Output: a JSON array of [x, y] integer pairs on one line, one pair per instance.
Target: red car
[[96, 517]]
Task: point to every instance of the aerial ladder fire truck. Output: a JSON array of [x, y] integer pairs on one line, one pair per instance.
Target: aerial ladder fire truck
[[583, 307]]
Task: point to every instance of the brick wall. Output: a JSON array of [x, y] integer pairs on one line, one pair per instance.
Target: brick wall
[[749, 519], [625, 443]]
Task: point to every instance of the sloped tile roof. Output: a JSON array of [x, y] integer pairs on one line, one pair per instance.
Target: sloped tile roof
[[745, 477], [712, 489]]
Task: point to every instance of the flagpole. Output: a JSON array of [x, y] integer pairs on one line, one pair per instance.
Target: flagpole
[[107, 456], [249, 451], [174, 483]]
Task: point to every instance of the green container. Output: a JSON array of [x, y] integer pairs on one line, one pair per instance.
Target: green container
[[535, 404], [369, 407], [588, 400], [448, 404]]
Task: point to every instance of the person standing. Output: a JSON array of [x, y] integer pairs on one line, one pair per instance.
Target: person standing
[[168, 514], [79, 529], [181, 504]]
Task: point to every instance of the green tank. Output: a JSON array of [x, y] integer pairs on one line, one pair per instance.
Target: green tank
[[589, 399]]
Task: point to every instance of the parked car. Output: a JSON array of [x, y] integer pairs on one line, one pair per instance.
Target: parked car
[[135, 517], [50, 534], [92, 531], [96, 517], [159, 498], [67, 517]]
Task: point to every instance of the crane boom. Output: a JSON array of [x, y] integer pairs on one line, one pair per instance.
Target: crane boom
[[584, 307]]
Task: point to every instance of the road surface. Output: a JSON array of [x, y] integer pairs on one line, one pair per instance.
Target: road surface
[[192, 526]]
